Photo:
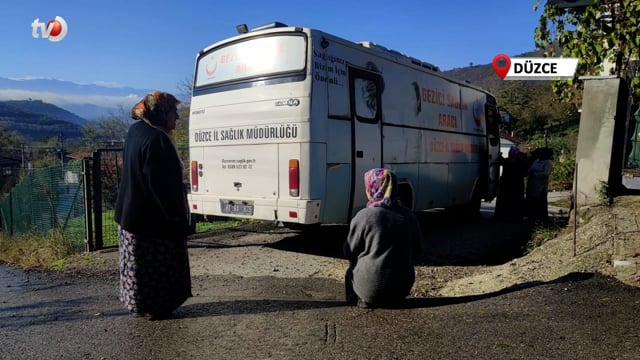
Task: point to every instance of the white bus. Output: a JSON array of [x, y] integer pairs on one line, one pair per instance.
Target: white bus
[[285, 121]]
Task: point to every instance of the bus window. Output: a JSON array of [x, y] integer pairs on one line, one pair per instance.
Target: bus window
[[366, 99], [252, 58]]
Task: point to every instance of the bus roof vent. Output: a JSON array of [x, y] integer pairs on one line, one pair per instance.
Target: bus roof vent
[[412, 60], [430, 67], [272, 25], [424, 64], [372, 45]]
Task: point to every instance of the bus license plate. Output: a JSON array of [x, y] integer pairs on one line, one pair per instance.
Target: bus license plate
[[236, 207]]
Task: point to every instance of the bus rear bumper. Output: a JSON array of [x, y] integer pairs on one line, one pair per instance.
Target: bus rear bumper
[[291, 211]]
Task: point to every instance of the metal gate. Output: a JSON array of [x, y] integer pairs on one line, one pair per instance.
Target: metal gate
[[102, 174]]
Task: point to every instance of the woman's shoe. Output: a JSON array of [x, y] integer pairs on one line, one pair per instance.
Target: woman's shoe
[[363, 304]]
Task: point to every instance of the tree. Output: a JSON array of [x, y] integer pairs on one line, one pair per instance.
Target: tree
[[107, 131], [181, 134], [534, 108], [9, 139], [602, 31], [185, 90]]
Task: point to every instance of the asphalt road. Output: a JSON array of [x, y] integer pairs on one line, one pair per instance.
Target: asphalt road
[[53, 316], [266, 295]]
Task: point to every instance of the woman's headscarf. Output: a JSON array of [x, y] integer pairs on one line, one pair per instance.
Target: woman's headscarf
[[381, 188], [153, 109]]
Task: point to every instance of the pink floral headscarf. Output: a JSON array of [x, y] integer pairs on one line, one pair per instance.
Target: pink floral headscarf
[[381, 188]]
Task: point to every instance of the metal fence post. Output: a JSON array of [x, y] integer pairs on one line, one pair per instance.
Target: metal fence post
[[88, 218], [97, 199], [11, 213]]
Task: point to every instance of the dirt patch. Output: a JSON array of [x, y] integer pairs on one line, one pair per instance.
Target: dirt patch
[[459, 259], [606, 241]]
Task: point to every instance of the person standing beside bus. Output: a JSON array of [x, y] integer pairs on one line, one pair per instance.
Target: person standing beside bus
[[152, 212], [383, 242], [510, 204], [538, 184]]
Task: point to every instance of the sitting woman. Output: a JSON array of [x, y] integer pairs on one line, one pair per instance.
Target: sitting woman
[[384, 239]]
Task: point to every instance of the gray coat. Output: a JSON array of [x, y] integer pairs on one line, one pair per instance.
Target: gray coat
[[381, 248]]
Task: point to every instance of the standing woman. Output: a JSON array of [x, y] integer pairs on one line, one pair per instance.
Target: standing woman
[[538, 185], [152, 212], [510, 203]]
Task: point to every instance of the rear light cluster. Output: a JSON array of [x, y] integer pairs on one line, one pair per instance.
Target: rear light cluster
[[294, 182], [294, 177], [196, 171]]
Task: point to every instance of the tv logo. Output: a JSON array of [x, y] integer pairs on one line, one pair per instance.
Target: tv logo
[[55, 30]]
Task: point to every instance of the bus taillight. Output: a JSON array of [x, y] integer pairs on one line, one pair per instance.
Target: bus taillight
[[294, 178], [194, 176]]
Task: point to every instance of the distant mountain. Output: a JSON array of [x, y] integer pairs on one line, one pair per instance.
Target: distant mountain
[[89, 101], [480, 75], [35, 120], [483, 75], [50, 110]]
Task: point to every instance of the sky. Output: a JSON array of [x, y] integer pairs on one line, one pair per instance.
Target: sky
[[153, 44]]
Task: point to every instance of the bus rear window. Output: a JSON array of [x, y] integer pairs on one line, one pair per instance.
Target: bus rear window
[[252, 58]]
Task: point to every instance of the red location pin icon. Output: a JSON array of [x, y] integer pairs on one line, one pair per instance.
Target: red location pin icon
[[501, 65]]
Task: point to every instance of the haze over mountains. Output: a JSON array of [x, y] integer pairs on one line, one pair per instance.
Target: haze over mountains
[[88, 101]]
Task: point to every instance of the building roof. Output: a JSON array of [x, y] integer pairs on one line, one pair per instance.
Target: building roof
[[514, 139], [9, 162]]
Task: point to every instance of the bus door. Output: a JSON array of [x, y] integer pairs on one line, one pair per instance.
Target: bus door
[[365, 89], [493, 149]]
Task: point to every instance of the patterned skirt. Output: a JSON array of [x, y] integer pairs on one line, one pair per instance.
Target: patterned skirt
[[154, 273]]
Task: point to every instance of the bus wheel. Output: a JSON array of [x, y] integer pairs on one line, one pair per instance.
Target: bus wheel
[[471, 210], [468, 211]]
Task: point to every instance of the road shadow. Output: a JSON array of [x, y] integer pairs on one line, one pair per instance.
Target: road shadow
[[45, 313], [238, 236], [325, 240], [259, 306], [450, 240], [447, 240], [253, 306]]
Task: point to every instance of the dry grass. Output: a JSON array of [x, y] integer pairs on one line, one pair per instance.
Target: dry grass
[[35, 250]]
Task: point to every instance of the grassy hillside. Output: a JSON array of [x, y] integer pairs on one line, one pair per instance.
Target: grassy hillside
[[35, 120]]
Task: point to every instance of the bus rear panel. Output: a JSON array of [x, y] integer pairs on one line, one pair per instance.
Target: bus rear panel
[[250, 148]]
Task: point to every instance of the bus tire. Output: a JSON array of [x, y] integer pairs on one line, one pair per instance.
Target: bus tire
[[471, 210]]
